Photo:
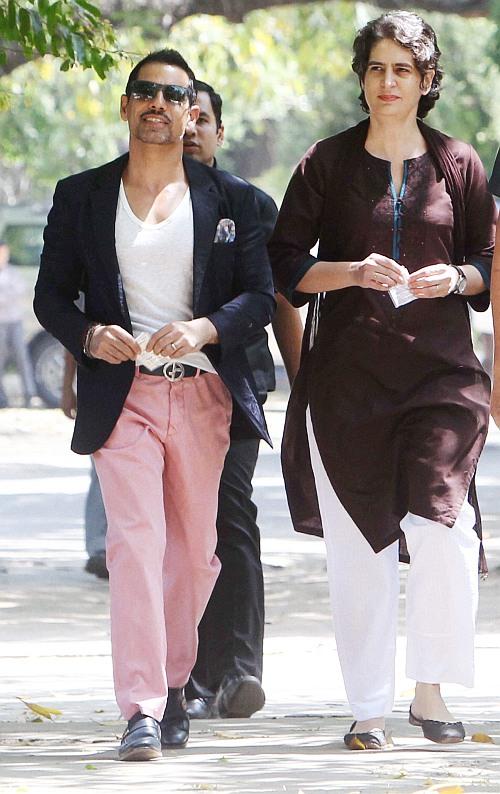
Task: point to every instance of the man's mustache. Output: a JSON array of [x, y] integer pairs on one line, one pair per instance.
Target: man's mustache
[[154, 113]]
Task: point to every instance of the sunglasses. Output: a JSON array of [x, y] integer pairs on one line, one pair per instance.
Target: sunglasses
[[144, 89]]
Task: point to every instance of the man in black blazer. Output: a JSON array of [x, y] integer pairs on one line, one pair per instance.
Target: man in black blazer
[[226, 680], [172, 262]]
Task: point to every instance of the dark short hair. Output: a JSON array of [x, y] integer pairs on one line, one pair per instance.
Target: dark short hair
[[215, 99], [411, 32], [170, 57]]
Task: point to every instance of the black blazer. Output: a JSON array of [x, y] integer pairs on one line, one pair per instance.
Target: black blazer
[[232, 286]]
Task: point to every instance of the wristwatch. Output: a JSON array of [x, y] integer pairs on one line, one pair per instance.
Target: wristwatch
[[461, 282]]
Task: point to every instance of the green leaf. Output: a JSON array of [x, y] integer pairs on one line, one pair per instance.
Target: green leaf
[[69, 47], [78, 47], [12, 16], [41, 42], [24, 23], [91, 9], [53, 17], [3, 57], [66, 65]]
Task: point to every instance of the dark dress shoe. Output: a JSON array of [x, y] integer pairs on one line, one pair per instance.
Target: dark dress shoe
[[97, 565], [175, 722], [439, 732], [200, 708], [239, 696], [141, 740], [368, 740]]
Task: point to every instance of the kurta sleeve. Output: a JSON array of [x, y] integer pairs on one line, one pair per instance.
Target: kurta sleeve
[[480, 220], [298, 226]]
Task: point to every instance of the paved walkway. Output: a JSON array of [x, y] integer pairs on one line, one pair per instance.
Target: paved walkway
[[55, 652]]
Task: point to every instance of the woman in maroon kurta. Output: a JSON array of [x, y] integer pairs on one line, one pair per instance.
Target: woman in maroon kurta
[[390, 408]]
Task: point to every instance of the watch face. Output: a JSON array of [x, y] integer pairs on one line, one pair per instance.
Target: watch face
[[461, 284]]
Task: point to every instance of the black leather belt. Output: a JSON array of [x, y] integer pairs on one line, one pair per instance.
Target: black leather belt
[[173, 370]]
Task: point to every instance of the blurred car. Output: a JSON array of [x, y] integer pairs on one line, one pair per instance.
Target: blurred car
[[21, 227]]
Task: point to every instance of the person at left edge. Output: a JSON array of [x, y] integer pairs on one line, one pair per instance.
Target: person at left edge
[[153, 240]]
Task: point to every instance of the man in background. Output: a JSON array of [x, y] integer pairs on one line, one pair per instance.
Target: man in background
[[226, 680], [12, 344], [95, 515]]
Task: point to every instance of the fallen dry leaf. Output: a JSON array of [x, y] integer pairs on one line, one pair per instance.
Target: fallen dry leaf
[[42, 711], [442, 789], [482, 738]]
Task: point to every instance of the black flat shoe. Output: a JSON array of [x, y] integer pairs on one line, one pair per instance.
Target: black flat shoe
[[200, 708], [439, 732], [141, 740], [175, 723], [369, 740], [239, 696]]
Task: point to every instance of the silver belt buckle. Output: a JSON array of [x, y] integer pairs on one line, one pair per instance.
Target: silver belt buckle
[[173, 371]]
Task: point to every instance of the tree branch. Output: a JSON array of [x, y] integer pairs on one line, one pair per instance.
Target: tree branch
[[236, 10], [124, 12]]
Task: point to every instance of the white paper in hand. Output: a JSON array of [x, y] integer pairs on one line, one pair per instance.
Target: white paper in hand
[[149, 360], [400, 295]]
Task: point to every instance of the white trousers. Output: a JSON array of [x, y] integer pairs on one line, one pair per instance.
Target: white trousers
[[441, 600]]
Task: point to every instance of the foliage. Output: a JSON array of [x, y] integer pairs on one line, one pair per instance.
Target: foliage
[[55, 126], [285, 77], [73, 30]]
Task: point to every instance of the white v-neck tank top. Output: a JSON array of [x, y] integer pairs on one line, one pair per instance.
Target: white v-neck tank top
[[156, 266]]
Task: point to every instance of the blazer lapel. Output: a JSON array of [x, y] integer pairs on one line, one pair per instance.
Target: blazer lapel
[[103, 204], [205, 201]]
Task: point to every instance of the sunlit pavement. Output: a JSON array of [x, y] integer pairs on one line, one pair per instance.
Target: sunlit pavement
[[54, 639]]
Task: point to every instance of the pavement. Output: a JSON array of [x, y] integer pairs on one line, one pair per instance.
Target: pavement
[[55, 652]]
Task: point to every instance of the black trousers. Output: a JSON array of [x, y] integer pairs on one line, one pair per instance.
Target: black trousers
[[231, 632]]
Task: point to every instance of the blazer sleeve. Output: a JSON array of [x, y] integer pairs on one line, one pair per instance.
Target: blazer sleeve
[[60, 278], [480, 221], [298, 226], [254, 304]]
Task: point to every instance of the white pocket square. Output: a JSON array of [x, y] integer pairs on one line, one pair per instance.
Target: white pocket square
[[226, 231]]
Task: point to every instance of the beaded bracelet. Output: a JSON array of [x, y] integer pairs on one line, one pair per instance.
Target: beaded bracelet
[[88, 339]]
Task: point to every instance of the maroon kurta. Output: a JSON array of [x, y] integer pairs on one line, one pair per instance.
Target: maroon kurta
[[399, 401]]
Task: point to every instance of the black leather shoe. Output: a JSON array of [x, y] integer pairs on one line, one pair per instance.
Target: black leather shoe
[[439, 732], [200, 708], [141, 740], [175, 722], [368, 740], [239, 696], [97, 565]]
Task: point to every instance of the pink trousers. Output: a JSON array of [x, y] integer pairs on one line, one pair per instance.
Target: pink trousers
[[159, 471]]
